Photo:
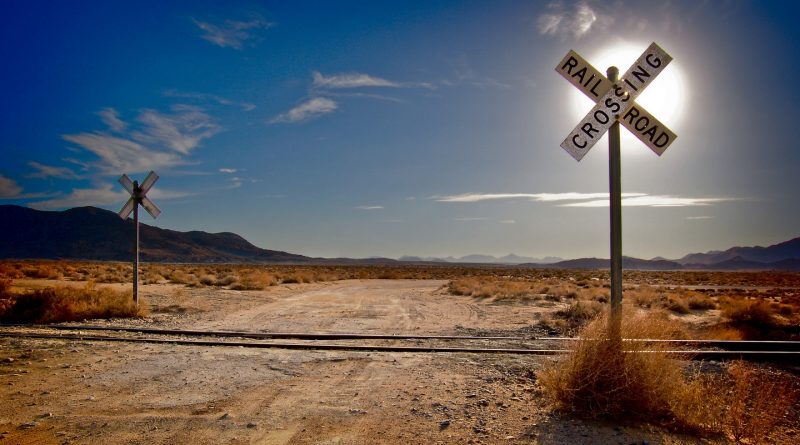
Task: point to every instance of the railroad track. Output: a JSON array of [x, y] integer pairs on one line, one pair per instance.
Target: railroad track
[[779, 351]]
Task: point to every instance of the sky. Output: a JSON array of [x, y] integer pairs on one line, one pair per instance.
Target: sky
[[384, 128]]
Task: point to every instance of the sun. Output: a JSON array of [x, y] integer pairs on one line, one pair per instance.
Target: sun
[[664, 98]]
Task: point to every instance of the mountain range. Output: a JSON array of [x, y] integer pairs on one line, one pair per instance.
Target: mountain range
[[90, 233]]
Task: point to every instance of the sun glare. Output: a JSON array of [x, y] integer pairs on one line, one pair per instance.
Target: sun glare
[[664, 98]]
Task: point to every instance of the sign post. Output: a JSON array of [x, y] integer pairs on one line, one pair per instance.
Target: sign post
[[138, 197], [614, 105]]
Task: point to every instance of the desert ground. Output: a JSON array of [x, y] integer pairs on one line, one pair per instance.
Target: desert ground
[[86, 392]]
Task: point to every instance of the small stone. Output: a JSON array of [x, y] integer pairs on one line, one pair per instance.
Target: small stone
[[225, 416], [91, 398], [28, 425], [9, 360], [252, 425], [357, 411], [44, 415], [444, 424]]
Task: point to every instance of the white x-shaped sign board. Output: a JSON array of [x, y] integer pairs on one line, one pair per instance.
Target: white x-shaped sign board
[[138, 195], [616, 102]]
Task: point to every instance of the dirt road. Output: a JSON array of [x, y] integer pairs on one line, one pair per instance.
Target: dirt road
[[84, 393]]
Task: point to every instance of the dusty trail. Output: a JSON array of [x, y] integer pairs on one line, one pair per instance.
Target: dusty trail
[[77, 392]]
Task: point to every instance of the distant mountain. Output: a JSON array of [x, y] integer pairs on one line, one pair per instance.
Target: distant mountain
[[97, 234], [771, 254], [483, 259], [600, 263]]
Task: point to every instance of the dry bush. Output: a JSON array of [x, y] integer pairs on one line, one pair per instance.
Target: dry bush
[[755, 313], [604, 378], [756, 401], [255, 280], [579, 313], [701, 302], [56, 304]]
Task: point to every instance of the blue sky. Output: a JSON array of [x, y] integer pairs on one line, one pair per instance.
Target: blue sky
[[392, 128]]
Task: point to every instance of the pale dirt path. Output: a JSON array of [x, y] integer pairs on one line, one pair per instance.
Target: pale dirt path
[[56, 392]]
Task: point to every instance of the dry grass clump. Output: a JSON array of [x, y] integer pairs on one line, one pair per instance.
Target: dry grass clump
[[56, 304], [578, 314], [604, 378], [505, 289], [255, 280]]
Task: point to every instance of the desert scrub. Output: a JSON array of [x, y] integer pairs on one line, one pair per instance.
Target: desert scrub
[[609, 379], [56, 304]]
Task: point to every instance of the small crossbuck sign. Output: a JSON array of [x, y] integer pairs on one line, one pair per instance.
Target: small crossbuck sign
[[138, 195], [615, 102]]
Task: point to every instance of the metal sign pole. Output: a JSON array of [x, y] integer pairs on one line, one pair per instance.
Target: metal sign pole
[[136, 248], [615, 192], [138, 197]]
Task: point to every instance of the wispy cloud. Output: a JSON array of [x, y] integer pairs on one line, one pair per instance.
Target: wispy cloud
[[361, 80], [572, 19], [103, 194], [470, 219], [232, 33], [699, 217], [307, 110], [546, 197], [209, 98], [9, 188], [111, 118], [227, 170], [369, 207], [507, 221], [652, 201], [160, 141], [586, 199], [48, 171], [181, 131]]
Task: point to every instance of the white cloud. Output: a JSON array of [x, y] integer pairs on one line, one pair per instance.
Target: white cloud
[[182, 131], [111, 118], [361, 80], [103, 194], [587, 199], [507, 221], [209, 98], [469, 219], [118, 155], [699, 217], [544, 197], [48, 171], [232, 33], [227, 170], [574, 20], [9, 188], [369, 207], [652, 201], [307, 110], [162, 140]]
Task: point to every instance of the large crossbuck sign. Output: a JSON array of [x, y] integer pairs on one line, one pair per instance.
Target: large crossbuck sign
[[615, 102], [138, 197], [614, 105]]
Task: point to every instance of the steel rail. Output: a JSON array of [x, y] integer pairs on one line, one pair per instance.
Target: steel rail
[[779, 356], [728, 345], [263, 335]]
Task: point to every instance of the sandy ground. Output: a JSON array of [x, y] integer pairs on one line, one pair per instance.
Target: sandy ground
[[78, 392]]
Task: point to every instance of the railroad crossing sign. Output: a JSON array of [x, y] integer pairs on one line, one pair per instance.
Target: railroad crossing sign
[[615, 102], [138, 197], [614, 99]]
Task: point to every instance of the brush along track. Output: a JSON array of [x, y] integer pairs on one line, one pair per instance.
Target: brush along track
[[779, 351]]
